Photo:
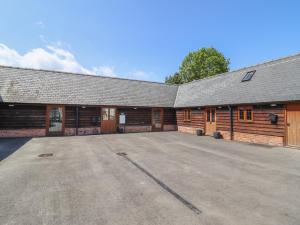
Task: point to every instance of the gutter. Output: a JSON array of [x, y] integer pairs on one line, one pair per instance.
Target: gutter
[[77, 119], [231, 122]]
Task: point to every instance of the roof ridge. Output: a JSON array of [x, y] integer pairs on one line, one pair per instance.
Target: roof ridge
[[83, 74], [265, 63]]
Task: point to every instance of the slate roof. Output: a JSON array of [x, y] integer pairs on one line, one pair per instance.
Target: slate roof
[[274, 81], [48, 87]]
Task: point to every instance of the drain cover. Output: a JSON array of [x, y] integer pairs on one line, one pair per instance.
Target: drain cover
[[122, 153], [46, 155]]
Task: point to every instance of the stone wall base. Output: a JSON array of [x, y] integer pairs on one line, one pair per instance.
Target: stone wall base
[[137, 129], [190, 130], [82, 131], [170, 127], [254, 138], [23, 133]]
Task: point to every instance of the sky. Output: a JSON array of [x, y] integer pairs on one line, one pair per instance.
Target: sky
[[145, 40]]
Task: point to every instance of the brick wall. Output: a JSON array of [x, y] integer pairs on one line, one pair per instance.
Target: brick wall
[[190, 130], [254, 138], [23, 133], [82, 131], [136, 129], [170, 127]]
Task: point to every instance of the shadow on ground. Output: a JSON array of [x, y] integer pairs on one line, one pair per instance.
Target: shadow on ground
[[9, 145]]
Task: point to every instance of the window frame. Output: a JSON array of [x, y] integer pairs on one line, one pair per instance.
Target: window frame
[[248, 76], [187, 115], [245, 109]]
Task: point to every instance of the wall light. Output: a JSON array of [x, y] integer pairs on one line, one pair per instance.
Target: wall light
[[11, 105], [273, 105], [83, 107]]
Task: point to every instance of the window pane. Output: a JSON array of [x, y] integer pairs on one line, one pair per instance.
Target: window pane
[[112, 114], [213, 115], [189, 114], [105, 114], [56, 115], [249, 114], [241, 114], [208, 116]]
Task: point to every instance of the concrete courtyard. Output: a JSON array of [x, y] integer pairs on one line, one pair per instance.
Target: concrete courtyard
[[166, 178]]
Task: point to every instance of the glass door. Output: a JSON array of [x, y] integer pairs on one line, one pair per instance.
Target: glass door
[[55, 120]]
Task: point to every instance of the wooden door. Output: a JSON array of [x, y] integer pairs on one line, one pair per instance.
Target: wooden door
[[210, 125], [55, 120], [108, 120], [293, 125], [157, 119]]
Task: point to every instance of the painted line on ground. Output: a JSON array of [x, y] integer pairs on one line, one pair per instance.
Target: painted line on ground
[[163, 185]]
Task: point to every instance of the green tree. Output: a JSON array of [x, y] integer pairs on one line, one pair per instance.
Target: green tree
[[200, 64], [173, 79]]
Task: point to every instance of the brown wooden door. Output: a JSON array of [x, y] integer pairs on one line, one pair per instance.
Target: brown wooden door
[[293, 125], [157, 119], [210, 125], [55, 120], [108, 120]]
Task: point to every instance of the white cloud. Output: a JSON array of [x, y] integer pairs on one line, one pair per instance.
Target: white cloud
[[55, 58], [105, 71], [40, 24], [51, 58]]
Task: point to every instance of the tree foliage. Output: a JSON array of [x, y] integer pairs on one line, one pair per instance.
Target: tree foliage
[[200, 64]]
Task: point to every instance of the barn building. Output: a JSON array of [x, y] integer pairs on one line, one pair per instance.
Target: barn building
[[259, 104]]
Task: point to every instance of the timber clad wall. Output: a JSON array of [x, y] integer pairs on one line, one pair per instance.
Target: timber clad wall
[[22, 116], [86, 116], [197, 119], [89, 117], [70, 120], [260, 125], [169, 117], [260, 130], [139, 116]]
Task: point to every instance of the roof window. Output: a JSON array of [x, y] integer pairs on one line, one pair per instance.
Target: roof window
[[248, 76]]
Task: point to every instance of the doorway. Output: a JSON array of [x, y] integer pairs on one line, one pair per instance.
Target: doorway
[[293, 125], [210, 125], [55, 122], [157, 119], [108, 120]]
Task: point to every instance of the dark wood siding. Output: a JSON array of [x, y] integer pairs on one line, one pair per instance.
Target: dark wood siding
[[139, 116], [22, 116], [88, 115], [197, 118], [169, 117], [260, 125], [70, 121]]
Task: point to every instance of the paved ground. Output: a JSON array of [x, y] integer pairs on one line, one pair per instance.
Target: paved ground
[[85, 182]]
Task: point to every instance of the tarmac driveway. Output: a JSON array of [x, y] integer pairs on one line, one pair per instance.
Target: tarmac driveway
[[165, 178]]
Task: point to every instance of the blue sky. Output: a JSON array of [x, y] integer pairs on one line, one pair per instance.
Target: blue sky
[[143, 39]]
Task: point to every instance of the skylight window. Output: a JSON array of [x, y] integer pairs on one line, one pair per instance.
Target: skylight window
[[248, 75]]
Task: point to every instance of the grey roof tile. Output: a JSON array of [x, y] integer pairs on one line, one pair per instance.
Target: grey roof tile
[[274, 81], [40, 86]]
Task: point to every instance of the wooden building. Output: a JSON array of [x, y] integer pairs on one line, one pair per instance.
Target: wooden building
[[259, 104]]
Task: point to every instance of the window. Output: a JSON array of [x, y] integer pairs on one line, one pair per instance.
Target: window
[[245, 114], [108, 113], [208, 116], [187, 115], [211, 115], [248, 76]]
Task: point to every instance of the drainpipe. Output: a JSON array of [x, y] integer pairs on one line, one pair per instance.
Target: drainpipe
[[77, 119], [231, 122]]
